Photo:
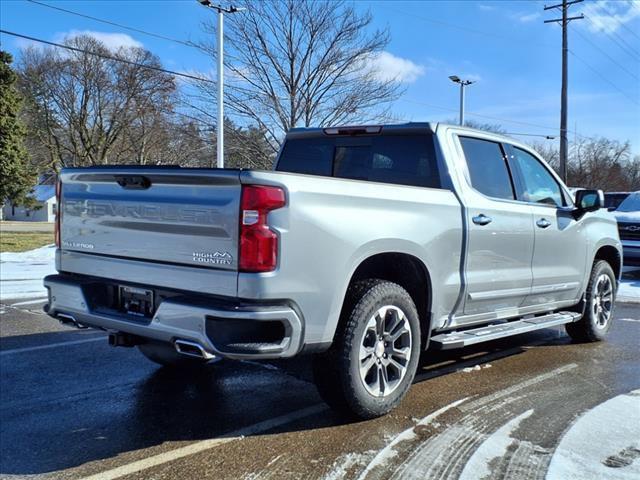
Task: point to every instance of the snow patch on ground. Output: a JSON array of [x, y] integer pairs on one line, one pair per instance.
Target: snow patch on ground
[[343, 465], [629, 290], [476, 368], [21, 273], [392, 449], [494, 447], [601, 444]]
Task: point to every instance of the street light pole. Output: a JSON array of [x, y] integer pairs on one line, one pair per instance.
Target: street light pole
[[220, 127], [220, 142], [463, 83]]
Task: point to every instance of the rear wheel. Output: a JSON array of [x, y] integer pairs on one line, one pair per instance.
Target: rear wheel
[[373, 360], [165, 354], [601, 291]]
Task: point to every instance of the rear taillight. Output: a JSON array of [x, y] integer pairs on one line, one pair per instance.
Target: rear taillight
[[258, 243], [58, 219]]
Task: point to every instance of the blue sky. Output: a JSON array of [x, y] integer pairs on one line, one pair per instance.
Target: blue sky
[[503, 45]]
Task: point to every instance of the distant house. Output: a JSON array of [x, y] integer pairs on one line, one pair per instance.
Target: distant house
[[44, 210]]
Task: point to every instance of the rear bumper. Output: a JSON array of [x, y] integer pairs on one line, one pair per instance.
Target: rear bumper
[[216, 328]]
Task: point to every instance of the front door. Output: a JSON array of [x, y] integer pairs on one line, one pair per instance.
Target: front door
[[560, 254]]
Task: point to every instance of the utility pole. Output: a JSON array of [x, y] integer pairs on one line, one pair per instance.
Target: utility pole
[[564, 22], [463, 83], [220, 127]]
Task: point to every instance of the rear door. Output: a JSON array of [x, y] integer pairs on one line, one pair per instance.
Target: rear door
[[500, 234], [164, 215], [560, 254]]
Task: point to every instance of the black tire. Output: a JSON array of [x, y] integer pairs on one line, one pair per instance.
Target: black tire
[[165, 354], [594, 324], [337, 371]]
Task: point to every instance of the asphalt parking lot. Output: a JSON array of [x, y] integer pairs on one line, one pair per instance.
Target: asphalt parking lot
[[73, 407]]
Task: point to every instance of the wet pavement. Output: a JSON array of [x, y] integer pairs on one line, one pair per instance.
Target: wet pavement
[[73, 407]]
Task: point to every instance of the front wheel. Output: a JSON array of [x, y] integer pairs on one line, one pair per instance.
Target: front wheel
[[374, 358], [598, 313]]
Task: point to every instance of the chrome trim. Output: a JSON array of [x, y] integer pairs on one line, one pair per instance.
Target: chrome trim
[[514, 292], [203, 353]]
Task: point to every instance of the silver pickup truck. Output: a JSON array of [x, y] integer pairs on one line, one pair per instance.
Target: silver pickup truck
[[364, 247]]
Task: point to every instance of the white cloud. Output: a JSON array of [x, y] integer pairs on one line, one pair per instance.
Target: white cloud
[[530, 17], [474, 77], [24, 43], [607, 16], [113, 41], [387, 67], [486, 8]]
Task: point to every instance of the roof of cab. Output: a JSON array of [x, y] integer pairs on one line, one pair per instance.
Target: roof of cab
[[399, 129]]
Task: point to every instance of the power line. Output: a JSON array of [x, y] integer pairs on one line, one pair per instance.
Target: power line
[[624, 42], [606, 54], [604, 78], [631, 6], [109, 22], [108, 57], [629, 51], [488, 117], [466, 29], [548, 137]]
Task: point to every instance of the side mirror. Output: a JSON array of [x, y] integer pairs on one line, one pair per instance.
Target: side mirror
[[589, 200]]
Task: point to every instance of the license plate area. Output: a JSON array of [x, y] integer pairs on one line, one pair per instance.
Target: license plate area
[[136, 301]]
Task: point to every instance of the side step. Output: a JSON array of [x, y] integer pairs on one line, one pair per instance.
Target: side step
[[459, 339]]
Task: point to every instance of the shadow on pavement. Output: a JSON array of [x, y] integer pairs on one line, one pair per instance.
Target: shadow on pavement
[[113, 403]]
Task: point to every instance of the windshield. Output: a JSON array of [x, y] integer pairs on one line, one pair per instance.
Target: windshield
[[630, 204]]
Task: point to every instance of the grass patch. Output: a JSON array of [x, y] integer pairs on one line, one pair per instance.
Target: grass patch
[[23, 241]]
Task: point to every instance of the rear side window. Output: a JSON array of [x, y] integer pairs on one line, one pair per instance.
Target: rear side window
[[487, 167], [397, 159]]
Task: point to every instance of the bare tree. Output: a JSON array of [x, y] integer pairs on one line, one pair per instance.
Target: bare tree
[[549, 152], [301, 63], [89, 110], [597, 163], [604, 163]]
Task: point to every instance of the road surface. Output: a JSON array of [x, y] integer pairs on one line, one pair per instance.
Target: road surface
[[530, 407]]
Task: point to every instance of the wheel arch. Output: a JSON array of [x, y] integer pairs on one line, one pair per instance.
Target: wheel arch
[[612, 256], [410, 273]]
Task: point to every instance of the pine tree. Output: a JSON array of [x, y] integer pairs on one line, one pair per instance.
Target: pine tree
[[17, 178]]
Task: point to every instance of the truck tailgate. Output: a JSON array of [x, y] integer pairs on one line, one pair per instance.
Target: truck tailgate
[[153, 214]]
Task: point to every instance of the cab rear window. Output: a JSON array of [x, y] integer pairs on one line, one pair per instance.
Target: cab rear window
[[397, 159]]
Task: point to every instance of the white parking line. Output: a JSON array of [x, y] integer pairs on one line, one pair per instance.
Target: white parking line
[[50, 345], [203, 445], [30, 302], [629, 320]]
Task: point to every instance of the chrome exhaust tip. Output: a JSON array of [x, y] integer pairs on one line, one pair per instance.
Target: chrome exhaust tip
[[192, 349], [66, 319]]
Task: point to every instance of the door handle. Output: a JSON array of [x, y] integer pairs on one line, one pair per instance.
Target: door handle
[[482, 219], [543, 223]]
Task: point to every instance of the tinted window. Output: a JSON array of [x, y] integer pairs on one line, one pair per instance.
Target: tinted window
[[399, 159], [487, 167], [539, 186], [613, 200]]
